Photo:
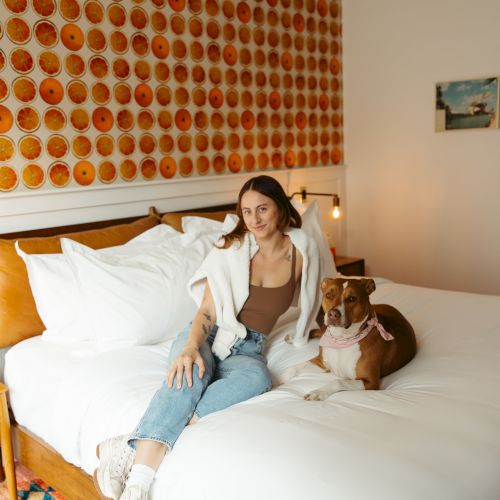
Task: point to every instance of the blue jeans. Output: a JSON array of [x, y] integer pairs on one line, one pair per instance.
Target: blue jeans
[[241, 376]]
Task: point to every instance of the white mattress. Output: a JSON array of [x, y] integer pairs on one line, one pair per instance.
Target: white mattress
[[432, 433]]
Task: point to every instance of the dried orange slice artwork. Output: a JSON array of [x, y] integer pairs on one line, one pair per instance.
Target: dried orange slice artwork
[[125, 120], [49, 62], [30, 147], [96, 40], [121, 68], [77, 91], [21, 60], [162, 72], [128, 170], [138, 18], [57, 146], [59, 174], [18, 30], [16, 6], [94, 12], [117, 15], [81, 146], [51, 91], [7, 148], [142, 70], [54, 119], [4, 90], [143, 95], [168, 167], [27, 119], [126, 144], [74, 65], [46, 34], [80, 120], [44, 8], [160, 46], [148, 168], [118, 42], [107, 172], [84, 173], [158, 22], [147, 143], [72, 37], [98, 66], [105, 145], [33, 176], [123, 94], [70, 9], [2, 58], [145, 119], [8, 178], [166, 143], [102, 118], [100, 93], [140, 44]]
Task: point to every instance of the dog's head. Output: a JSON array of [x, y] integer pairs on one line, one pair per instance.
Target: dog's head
[[346, 301]]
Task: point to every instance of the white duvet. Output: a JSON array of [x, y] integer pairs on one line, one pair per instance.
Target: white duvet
[[432, 433]]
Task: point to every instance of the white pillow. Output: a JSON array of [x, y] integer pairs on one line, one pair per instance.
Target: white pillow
[[55, 288], [139, 298]]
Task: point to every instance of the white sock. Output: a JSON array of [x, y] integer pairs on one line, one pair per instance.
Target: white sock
[[141, 475]]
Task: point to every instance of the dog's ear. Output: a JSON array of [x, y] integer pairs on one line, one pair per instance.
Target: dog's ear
[[369, 286], [325, 283]]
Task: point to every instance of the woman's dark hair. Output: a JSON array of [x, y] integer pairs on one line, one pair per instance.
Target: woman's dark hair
[[270, 187]]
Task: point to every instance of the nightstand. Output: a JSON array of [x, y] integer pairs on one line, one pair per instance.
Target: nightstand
[[350, 266]]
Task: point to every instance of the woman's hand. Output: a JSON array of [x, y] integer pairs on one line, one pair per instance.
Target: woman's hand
[[188, 357]]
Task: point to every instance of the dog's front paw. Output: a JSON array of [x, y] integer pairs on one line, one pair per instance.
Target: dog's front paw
[[316, 396]]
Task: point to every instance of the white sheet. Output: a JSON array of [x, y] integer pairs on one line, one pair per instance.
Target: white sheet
[[431, 433]]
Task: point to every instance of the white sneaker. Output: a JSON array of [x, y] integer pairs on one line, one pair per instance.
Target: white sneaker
[[116, 459], [134, 492]]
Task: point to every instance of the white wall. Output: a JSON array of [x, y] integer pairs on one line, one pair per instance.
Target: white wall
[[423, 207]]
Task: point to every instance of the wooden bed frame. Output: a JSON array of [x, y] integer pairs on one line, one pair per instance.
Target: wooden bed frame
[[28, 449]]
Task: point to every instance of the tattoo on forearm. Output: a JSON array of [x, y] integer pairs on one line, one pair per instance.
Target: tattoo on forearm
[[207, 324]]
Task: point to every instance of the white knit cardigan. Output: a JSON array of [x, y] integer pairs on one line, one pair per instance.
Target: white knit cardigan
[[228, 273]]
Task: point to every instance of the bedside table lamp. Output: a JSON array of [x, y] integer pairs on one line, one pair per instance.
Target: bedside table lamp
[[336, 212]]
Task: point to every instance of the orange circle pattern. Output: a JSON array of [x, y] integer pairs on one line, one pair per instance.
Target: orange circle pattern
[[173, 87]]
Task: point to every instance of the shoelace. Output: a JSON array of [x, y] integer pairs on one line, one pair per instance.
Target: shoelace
[[122, 465]]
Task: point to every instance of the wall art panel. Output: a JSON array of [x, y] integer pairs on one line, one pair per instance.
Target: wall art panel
[[94, 93]]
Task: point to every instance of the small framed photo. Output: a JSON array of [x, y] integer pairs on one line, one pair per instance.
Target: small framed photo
[[467, 104]]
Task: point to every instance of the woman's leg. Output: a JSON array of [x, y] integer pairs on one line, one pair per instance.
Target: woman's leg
[[241, 376], [171, 409], [167, 415]]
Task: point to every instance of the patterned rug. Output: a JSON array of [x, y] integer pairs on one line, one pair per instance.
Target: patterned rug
[[29, 487]]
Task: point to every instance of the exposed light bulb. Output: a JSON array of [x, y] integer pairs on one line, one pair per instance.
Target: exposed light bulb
[[336, 213]]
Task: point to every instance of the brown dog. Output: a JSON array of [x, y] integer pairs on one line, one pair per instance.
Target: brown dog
[[360, 342]]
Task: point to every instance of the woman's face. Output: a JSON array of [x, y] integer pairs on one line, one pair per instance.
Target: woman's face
[[260, 214]]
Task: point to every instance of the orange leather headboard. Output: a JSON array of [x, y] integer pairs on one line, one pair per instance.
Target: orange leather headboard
[[19, 319]]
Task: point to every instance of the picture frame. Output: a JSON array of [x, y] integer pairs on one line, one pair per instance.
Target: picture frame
[[467, 104]]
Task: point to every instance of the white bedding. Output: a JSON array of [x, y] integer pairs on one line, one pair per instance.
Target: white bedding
[[432, 433]]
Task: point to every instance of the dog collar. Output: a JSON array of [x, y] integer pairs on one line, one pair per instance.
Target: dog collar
[[329, 340]]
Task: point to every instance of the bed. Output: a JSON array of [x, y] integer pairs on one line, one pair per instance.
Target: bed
[[431, 432]]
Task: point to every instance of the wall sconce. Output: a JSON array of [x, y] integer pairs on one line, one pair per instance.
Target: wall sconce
[[336, 212]]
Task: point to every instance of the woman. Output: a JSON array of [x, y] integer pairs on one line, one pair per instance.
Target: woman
[[242, 287]]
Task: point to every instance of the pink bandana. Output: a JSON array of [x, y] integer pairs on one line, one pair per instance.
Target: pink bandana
[[329, 340]]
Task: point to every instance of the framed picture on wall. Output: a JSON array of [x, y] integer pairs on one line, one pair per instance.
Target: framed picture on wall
[[467, 104]]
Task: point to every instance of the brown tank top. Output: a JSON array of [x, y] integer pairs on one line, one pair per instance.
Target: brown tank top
[[266, 304]]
